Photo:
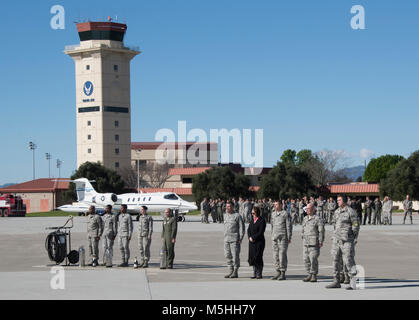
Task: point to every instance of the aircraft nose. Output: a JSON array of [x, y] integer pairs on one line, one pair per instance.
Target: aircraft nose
[[193, 206]]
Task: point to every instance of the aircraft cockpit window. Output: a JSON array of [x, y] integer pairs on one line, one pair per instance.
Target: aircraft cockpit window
[[171, 196]]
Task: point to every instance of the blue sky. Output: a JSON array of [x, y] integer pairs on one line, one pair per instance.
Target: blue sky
[[293, 68]]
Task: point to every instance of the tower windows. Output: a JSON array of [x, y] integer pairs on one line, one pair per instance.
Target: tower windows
[[116, 164], [89, 137], [117, 137], [89, 150], [89, 123], [116, 151], [87, 66], [116, 123], [115, 67]]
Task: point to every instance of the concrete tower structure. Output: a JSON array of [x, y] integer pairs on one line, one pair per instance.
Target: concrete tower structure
[[103, 104]]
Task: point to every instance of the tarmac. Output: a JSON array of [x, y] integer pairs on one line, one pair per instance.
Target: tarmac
[[389, 256]]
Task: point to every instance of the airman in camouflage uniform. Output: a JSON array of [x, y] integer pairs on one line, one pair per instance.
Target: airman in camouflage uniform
[[94, 232], [109, 234], [281, 238], [145, 231], [320, 208], [387, 211], [220, 211], [331, 207], [294, 212], [301, 206], [213, 208], [313, 237], [368, 210], [376, 214], [234, 230], [205, 211], [345, 236], [408, 208], [125, 228]]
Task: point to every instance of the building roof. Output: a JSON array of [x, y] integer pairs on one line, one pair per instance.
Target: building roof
[[175, 145], [38, 185], [179, 191], [187, 171], [354, 188]]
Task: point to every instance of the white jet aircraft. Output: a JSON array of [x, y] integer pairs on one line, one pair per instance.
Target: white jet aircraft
[[155, 202]]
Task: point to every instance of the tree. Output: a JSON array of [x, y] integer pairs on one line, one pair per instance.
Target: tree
[[323, 166], [378, 168], [158, 174], [303, 156], [289, 156], [220, 182], [403, 179], [286, 180], [132, 175], [107, 180]]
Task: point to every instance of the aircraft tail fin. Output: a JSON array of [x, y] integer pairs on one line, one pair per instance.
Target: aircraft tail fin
[[84, 189]]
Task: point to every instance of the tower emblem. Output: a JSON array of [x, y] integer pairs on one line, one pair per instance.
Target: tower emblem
[[88, 88]]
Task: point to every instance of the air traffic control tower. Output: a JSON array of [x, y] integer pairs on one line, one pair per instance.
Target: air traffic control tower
[[103, 106]]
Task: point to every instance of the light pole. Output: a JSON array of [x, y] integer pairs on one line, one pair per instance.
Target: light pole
[[48, 157], [32, 147], [138, 171], [59, 163]]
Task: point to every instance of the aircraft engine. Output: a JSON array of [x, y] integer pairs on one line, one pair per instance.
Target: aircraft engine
[[105, 199]]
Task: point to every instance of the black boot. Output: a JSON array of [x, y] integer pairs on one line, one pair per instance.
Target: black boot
[[254, 273], [276, 277], [259, 273]]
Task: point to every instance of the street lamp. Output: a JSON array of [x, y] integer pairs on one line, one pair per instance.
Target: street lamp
[[32, 147], [48, 157], [138, 170], [59, 163]]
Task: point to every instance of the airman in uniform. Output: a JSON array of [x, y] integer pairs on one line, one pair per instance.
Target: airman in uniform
[[387, 210], [313, 237], [109, 234], [205, 209], [301, 206], [94, 232], [125, 228], [376, 214], [331, 206], [294, 212], [368, 210], [234, 230], [168, 236], [345, 236], [281, 238], [220, 212], [213, 208], [320, 208], [408, 208], [145, 231]]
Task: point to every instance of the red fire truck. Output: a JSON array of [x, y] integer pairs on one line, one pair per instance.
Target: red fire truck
[[12, 206]]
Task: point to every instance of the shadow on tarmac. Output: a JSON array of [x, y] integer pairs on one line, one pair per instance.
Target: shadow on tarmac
[[409, 283]]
